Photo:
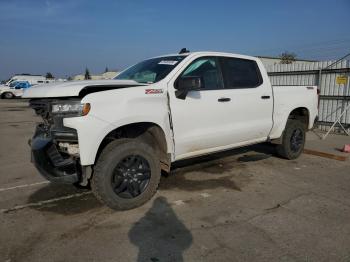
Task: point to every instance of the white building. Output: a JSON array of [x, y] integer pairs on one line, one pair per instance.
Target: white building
[[270, 61], [106, 75]]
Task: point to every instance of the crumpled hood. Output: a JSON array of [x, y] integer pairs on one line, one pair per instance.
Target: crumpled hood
[[74, 88]]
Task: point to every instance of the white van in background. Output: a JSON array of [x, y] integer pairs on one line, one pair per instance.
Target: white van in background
[[14, 90], [32, 79]]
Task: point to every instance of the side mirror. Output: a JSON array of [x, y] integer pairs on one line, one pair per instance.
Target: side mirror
[[186, 84]]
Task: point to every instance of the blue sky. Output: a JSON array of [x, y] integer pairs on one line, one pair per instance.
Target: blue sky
[[65, 36]]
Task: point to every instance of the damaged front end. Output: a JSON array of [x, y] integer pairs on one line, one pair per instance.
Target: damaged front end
[[55, 148]]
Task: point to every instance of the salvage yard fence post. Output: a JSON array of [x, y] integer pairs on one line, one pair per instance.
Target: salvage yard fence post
[[332, 77]]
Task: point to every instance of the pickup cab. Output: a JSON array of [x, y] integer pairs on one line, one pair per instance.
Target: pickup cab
[[119, 135]]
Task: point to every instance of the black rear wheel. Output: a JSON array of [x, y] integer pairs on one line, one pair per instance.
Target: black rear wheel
[[126, 175], [293, 140]]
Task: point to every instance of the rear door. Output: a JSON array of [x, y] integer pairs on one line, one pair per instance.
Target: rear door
[[249, 111]]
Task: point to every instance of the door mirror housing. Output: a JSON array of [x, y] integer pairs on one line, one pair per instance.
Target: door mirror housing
[[186, 84], [190, 83]]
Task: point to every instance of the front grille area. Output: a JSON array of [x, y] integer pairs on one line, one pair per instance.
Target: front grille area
[[56, 158], [41, 108], [52, 124]]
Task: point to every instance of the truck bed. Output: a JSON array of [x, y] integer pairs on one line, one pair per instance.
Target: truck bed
[[288, 97]]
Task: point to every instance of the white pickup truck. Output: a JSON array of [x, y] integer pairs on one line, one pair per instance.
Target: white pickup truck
[[120, 134]]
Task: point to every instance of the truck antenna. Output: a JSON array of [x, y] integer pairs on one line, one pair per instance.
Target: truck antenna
[[184, 50]]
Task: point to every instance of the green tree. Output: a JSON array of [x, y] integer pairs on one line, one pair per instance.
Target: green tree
[[287, 57], [49, 76], [87, 74], [106, 70]]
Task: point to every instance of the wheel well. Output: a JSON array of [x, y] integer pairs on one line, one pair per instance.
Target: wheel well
[[301, 114], [149, 133], [3, 94]]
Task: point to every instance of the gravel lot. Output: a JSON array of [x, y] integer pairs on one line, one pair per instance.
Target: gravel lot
[[242, 205]]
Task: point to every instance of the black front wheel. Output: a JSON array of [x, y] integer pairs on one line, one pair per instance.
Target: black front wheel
[[126, 175], [8, 95], [131, 176], [293, 140]]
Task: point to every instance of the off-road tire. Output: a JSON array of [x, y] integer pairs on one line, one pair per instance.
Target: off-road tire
[[284, 149], [111, 155]]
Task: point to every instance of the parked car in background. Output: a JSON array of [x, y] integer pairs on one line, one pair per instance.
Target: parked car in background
[[14, 89], [120, 134]]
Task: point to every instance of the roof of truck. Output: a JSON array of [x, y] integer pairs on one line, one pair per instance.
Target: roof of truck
[[211, 53]]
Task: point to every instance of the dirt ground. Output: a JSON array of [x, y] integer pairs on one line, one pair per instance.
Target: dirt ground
[[241, 205]]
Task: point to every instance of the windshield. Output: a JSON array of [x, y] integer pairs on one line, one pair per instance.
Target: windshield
[[13, 84], [11, 81], [151, 70]]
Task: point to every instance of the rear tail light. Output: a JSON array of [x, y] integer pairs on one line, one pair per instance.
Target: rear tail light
[[318, 94]]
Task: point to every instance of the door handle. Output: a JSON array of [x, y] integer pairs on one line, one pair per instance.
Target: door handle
[[265, 97], [224, 99]]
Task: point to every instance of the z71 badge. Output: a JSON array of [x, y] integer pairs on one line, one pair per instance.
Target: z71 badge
[[153, 91]]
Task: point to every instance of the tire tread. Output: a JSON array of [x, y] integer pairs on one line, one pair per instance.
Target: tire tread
[[96, 181], [283, 149]]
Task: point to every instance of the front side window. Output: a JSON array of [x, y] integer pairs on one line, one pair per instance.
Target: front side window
[[241, 73], [13, 84], [24, 85], [207, 68], [151, 70]]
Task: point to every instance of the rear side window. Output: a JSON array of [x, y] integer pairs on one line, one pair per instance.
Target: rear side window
[[241, 73]]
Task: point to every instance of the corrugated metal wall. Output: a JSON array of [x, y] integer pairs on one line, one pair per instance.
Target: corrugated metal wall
[[334, 97]]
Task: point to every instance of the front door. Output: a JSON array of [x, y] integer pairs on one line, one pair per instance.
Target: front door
[[199, 120]]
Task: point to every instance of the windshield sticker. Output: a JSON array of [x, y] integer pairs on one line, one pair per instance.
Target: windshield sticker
[[167, 62]]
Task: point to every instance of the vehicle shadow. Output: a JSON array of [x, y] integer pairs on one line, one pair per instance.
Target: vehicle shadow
[[81, 200], [160, 235], [215, 170]]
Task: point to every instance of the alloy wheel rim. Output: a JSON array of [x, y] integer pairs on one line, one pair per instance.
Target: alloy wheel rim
[[131, 176], [296, 140]]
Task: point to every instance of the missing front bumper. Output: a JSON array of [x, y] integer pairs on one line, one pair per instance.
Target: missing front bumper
[[51, 164]]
